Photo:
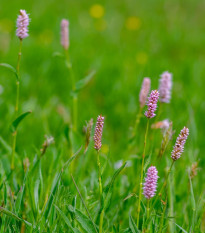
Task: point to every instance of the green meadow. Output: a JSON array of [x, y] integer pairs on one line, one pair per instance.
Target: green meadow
[[49, 168]]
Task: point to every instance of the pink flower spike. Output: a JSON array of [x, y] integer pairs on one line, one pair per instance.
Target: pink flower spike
[[152, 104], [180, 142], [22, 25], [144, 91], [65, 33], [165, 87], [98, 132], [150, 185]]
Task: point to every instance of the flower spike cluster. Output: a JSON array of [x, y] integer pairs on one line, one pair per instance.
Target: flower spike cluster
[[179, 145], [165, 87], [65, 33], [152, 104], [144, 91], [150, 185], [98, 132], [22, 25]]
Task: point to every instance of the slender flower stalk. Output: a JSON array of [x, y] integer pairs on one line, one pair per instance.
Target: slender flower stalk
[[21, 33], [98, 143], [165, 87], [150, 113], [65, 44], [141, 177]]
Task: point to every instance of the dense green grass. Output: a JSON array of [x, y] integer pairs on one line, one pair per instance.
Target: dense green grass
[[169, 36]]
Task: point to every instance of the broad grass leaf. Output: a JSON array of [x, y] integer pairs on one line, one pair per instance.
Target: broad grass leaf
[[193, 204], [52, 195], [11, 68], [83, 220], [37, 186], [83, 82], [5, 145], [18, 120], [66, 220], [55, 186], [108, 189], [132, 225], [57, 54], [181, 228], [20, 194], [12, 215]]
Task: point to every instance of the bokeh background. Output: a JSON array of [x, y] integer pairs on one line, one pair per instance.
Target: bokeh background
[[123, 41]]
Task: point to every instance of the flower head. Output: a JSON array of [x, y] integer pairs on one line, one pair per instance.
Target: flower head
[[48, 141], [22, 25], [98, 132], [179, 145], [150, 184], [164, 125], [165, 87], [152, 104], [144, 91], [64, 33]]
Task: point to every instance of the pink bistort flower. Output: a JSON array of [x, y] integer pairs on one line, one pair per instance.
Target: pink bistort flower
[[65, 33], [152, 104], [144, 91], [179, 145], [98, 132], [22, 25], [165, 87], [150, 185]]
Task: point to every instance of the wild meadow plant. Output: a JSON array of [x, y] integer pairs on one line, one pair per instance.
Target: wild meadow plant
[[98, 144], [21, 33], [44, 200]]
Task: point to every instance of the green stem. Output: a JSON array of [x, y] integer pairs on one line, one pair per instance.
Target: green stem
[[139, 115], [148, 208], [162, 218], [171, 202], [16, 105], [13, 149], [101, 193], [141, 178], [148, 215], [164, 184], [75, 97]]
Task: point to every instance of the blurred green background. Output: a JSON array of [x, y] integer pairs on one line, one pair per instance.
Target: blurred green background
[[123, 41]]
